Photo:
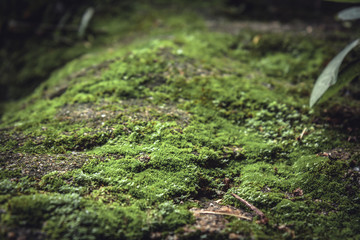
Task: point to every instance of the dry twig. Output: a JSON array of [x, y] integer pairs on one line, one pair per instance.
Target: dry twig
[[304, 132], [222, 213], [263, 218]]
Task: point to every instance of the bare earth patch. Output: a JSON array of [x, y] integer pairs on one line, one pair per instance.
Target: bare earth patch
[[38, 165]]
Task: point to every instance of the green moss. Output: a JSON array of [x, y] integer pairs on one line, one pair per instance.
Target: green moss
[[51, 181], [69, 216], [4, 174], [162, 122], [7, 186]]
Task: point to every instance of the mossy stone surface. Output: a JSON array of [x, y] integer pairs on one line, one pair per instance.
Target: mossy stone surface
[[122, 142]]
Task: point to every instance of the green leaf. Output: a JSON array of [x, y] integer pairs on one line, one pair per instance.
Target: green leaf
[[89, 12], [347, 14], [347, 75], [329, 75]]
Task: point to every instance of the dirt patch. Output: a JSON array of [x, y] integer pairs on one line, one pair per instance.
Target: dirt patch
[[99, 120], [235, 27], [38, 165], [211, 218], [95, 70], [185, 66], [134, 109]]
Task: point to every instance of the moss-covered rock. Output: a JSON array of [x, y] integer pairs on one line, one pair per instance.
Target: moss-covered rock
[[121, 143]]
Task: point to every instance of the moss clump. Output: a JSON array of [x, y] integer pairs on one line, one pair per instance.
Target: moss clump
[[125, 147], [70, 216]]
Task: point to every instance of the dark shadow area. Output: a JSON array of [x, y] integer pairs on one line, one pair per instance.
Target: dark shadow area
[[35, 38]]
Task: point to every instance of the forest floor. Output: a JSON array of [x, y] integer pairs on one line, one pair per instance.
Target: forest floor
[[157, 133]]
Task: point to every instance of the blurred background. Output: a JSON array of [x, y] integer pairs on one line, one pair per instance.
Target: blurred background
[[39, 36]]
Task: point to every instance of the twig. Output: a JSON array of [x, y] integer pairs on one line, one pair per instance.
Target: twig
[[303, 133], [223, 213], [299, 138], [263, 218]]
